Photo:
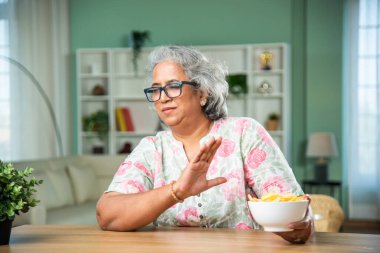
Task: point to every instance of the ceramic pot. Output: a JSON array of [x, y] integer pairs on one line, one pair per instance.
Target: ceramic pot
[[5, 228], [272, 125]]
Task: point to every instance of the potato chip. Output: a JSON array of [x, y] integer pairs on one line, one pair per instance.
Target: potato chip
[[276, 197]]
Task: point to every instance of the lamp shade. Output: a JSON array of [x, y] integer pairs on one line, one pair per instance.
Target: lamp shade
[[322, 145]]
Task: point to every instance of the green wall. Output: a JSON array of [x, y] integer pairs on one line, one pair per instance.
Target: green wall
[[313, 28]]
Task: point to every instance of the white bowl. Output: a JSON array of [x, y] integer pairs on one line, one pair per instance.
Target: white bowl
[[275, 216]]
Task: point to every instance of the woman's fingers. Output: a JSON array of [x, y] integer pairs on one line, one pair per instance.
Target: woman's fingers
[[213, 149], [301, 233], [207, 151], [216, 181]]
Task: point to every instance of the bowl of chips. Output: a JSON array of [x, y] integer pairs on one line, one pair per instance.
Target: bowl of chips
[[275, 211]]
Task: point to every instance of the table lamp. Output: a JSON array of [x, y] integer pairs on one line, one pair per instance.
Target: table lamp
[[322, 147]]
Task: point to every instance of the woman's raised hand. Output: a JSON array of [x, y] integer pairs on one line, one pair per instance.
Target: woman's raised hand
[[193, 179]]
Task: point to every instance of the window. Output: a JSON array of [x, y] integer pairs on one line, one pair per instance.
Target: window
[[363, 108], [4, 85], [368, 104]]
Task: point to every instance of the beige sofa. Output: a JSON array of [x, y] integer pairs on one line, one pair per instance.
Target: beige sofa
[[72, 185]]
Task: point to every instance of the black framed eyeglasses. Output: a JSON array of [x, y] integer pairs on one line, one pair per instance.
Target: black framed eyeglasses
[[172, 89]]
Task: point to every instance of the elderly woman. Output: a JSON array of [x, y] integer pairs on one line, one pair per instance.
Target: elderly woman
[[200, 171]]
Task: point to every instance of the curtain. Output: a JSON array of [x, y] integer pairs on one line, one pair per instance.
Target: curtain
[[39, 41], [362, 104]]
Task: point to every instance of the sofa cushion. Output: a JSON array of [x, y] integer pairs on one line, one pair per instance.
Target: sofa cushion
[[84, 183], [45, 191], [62, 186], [56, 190]]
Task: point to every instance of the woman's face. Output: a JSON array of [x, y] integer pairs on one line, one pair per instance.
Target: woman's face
[[182, 109]]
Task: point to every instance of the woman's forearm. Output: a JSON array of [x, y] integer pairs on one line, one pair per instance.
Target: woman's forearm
[[125, 212]]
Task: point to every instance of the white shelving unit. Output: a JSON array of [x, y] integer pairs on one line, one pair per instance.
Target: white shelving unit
[[113, 69]]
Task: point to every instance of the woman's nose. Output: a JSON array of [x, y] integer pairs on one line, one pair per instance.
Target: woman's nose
[[164, 97]]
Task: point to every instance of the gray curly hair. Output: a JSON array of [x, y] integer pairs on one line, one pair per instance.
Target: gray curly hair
[[210, 76]]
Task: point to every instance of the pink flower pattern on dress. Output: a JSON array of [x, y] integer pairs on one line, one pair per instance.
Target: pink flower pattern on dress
[[141, 167], [157, 164], [132, 186], [243, 226], [226, 148], [249, 176], [123, 168], [188, 217], [241, 125], [234, 187], [151, 138], [264, 135], [159, 183], [275, 184], [216, 126], [255, 157]]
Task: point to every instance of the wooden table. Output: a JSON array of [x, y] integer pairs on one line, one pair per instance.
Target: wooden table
[[84, 238]]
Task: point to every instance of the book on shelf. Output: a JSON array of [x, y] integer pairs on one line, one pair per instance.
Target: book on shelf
[[120, 121], [128, 119], [124, 121]]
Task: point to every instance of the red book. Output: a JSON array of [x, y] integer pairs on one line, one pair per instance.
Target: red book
[[128, 119]]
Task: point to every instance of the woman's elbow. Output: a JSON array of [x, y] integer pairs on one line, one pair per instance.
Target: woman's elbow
[[101, 215], [109, 218]]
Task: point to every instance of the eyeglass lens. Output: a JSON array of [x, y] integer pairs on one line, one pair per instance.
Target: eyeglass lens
[[171, 90]]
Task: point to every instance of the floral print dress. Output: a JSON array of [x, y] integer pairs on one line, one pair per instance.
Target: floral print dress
[[248, 157]]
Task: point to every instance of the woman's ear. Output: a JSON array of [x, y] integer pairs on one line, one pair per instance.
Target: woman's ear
[[204, 96]]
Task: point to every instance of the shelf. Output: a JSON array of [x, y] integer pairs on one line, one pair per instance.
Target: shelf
[[91, 98], [267, 96], [113, 70], [89, 134], [121, 99], [276, 133], [268, 72], [134, 134], [91, 76]]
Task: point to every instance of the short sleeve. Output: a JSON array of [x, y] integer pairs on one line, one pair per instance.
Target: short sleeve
[[135, 173], [265, 167]]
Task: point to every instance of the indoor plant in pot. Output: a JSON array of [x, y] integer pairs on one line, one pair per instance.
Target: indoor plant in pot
[[16, 195], [97, 122]]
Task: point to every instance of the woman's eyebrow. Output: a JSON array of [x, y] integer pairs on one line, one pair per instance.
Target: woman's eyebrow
[[172, 80]]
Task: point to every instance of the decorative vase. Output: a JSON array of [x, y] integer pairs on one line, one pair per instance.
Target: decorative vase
[[272, 125], [5, 228]]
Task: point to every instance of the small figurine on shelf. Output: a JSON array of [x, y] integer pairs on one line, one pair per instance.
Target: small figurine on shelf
[[266, 60], [273, 122], [126, 149], [98, 90], [265, 88]]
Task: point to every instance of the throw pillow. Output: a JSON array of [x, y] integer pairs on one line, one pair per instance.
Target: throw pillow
[[62, 187], [84, 183]]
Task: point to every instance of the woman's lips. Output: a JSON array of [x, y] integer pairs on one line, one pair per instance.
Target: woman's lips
[[167, 109]]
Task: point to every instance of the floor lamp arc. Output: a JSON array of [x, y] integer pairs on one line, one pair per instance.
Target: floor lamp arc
[[45, 98]]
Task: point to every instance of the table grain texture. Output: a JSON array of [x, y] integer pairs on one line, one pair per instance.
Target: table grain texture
[[89, 238]]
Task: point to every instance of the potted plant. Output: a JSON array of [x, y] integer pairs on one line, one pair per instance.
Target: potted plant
[[97, 122], [136, 41], [273, 122], [237, 84], [17, 195]]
